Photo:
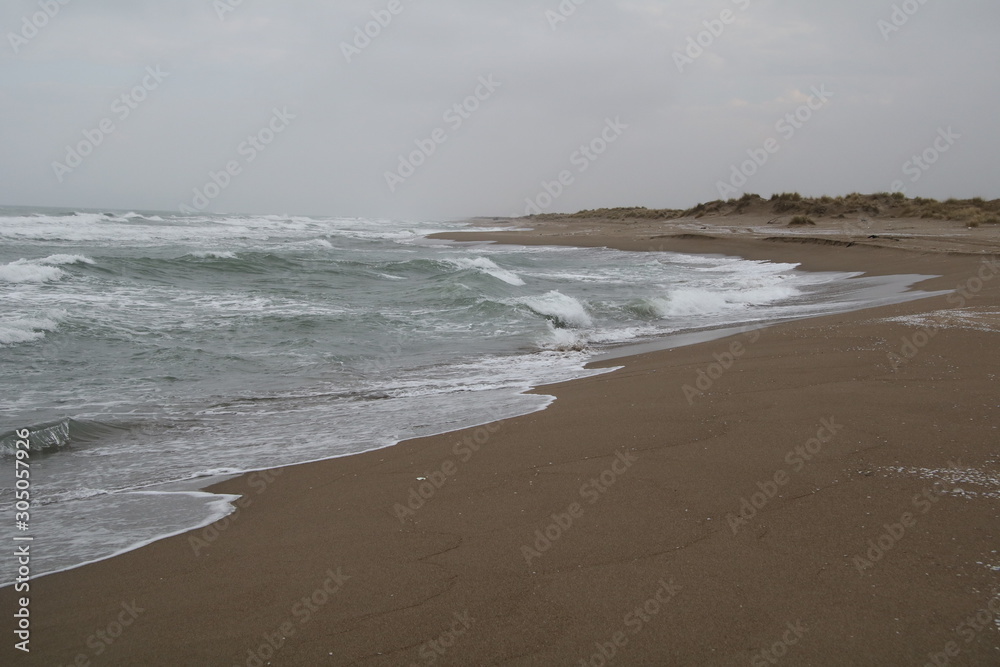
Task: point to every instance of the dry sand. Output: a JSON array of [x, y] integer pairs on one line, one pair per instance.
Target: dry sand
[[874, 542]]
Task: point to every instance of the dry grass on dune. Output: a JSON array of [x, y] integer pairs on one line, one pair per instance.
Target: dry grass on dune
[[971, 212]]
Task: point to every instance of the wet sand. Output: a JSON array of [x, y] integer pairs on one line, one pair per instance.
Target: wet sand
[[820, 492]]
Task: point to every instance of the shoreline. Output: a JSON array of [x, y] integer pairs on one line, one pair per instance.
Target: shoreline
[[462, 550], [202, 486]]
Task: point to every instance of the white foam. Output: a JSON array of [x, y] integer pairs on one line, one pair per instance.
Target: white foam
[[563, 326], [216, 472], [568, 276], [959, 318], [520, 372], [25, 271], [213, 254], [44, 270], [488, 267], [564, 310], [64, 260], [375, 236], [82, 493], [217, 507], [24, 330], [700, 301], [626, 334], [564, 340], [206, 229], [969, 483]]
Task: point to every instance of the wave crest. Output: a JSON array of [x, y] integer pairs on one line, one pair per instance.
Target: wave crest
[[212, 254], [24, 271], [55, 436], [38, 271], [563, 311], [17, 330], [488, 267]]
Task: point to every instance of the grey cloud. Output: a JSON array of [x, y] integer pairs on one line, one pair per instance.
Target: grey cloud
[[608, 59]]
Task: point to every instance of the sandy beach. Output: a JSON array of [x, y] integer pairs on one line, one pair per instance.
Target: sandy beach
[[818, 492]]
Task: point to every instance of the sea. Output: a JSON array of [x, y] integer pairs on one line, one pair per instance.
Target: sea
[[150, 354]]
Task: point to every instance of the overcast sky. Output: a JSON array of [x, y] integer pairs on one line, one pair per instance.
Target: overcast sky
[[664, 119]]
